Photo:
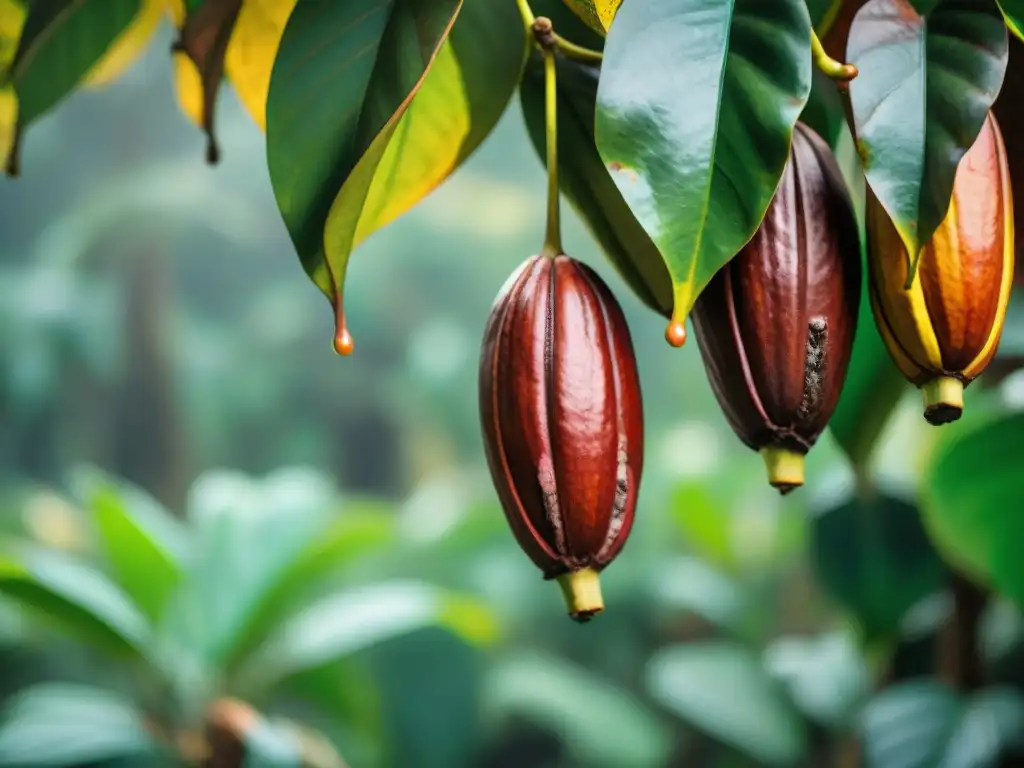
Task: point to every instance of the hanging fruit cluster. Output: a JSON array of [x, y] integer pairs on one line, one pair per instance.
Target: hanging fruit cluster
[[701, 145]]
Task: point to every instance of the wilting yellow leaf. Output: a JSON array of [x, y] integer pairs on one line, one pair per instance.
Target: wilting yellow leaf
[[8, 123], [188, 84], [12, 18], [252, 51], [128, 46], [248, 61], [598, 14]]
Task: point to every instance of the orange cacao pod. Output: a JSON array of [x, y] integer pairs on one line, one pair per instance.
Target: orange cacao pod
[[945, 329]]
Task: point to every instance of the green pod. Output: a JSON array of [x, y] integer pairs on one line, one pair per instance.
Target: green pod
[[586, 182]]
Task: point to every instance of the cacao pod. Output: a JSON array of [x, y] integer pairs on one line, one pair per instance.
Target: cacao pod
[[562, 421], [944, 330], [775, 326]]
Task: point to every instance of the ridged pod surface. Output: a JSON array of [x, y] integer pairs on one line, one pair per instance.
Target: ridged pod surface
[[562, 421], [945, 329], [775, 326]]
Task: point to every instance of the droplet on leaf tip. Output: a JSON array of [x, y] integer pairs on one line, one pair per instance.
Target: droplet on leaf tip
[[344, 345], [675, 334]]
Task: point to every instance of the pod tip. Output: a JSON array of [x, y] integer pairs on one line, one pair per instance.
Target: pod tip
[[582, 592], [785, 468], [675, 334], [943, 400]]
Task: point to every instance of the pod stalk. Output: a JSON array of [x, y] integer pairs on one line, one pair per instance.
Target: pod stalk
[[943, 400], [582, 592], [785, 468]]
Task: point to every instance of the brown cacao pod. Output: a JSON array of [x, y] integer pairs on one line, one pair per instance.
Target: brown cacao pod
[[562, 421], [775, 326], [945, 329]]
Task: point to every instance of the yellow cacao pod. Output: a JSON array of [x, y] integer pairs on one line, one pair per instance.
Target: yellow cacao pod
[[944, 330]]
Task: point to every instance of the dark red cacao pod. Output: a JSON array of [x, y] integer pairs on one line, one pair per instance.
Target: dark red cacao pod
[[775, 326], [562, 421]]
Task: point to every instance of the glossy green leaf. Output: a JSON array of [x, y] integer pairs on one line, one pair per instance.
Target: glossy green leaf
[[971, 493], [699, 167], [346, 622], [60, 43], [827, 676], [1013, 13], [603, 725], [923, 724], [349, 159], [58, 724], [926, 82], [874, 558], [722, 689], [75, 597], [144, 546], [583, 177]]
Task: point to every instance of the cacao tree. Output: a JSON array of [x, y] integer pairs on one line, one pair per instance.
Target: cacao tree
[[825, 187]]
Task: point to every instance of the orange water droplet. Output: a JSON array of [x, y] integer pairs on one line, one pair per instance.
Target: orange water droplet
[[675, 334], [343, 343]]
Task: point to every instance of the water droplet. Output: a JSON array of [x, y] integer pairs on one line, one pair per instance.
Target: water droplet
[[343, 343], [675, 334]]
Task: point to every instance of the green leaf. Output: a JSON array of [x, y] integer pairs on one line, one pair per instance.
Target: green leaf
[[603, 725], [75, 597], [586, 182], [350, 621], [874, 558], [720, 688], [60, 43], [970, 495], [699, 169], [347, 539], [922, 724], [57, 724], [144, 545], [349, 159], [691, 584], [234, 516], [827, 676], [926, 83], [1013, 13]]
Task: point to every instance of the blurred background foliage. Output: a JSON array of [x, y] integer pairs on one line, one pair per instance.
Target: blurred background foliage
[[318, 538]]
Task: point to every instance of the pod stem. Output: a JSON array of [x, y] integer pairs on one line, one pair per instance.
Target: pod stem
[[835, 70], [943, 400], [543, 33], [785, 468], [582, 592]]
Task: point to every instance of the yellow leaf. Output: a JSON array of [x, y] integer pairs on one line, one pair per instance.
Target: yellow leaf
[[8, 124], [12, 18], [598, 14], [252, 50], [129, 45], [247, 63], [188, 84]]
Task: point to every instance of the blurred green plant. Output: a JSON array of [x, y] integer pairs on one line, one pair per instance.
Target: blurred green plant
[[238, 604]]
